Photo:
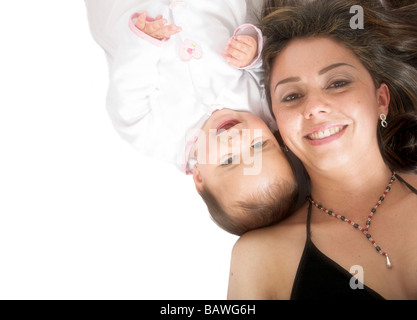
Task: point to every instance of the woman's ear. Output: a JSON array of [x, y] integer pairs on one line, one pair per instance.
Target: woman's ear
[[383, 99], [198, 179]]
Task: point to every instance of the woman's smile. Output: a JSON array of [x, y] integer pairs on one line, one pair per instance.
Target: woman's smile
[[326, 135]]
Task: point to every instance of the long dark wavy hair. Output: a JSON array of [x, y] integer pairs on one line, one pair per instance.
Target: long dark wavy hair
[[386, 46]]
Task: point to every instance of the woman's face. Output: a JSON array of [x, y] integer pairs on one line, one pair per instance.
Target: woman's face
[[326, 104]]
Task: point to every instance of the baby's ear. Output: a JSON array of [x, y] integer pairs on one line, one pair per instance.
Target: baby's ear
[[198, 179]]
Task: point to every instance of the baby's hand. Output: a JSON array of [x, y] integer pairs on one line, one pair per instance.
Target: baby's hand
[[240, 51], [156, 28]]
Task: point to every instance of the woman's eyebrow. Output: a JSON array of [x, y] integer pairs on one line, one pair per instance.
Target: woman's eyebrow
[[321, 72], [333, 66], [292, 79]]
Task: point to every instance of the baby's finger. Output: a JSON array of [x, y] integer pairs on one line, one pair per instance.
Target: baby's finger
[[141, 21], [225, 55], [234, 62], [155, 26], [248, 40], [238, 45], [230, 60], [172, 29], [235, 53], [167, 31]]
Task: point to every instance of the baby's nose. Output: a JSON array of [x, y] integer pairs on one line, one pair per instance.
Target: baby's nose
[[234, 134]]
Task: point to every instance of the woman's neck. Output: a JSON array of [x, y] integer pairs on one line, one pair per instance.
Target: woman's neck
[[350, 191]]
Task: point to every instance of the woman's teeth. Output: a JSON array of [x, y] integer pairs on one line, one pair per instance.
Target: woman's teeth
[[324, 134]]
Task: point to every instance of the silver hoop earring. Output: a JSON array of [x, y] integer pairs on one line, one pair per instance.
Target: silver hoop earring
[[383, 118]]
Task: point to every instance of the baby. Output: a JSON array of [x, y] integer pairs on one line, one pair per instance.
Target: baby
[[242, 173], [178, 94]]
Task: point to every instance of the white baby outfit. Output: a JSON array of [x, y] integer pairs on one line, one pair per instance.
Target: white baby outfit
[[161, 92]]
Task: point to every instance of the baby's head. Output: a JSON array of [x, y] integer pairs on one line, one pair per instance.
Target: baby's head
[[242, 173]]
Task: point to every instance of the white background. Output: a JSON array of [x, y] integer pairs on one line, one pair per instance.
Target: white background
[[82, 215]]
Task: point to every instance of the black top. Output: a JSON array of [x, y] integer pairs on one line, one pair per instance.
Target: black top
[[320, 278]]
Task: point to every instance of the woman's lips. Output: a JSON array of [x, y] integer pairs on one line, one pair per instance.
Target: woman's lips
[[325, 135]]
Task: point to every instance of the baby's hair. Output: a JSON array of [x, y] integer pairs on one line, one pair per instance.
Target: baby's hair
[[260, 209]]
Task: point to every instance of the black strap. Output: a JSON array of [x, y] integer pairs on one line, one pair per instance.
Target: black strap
[[406, 183], [308, 221]]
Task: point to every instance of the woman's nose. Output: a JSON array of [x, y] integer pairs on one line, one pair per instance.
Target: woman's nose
[[316, 105]]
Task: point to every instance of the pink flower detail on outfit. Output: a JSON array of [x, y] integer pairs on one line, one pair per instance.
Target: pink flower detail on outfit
[[189, 50]]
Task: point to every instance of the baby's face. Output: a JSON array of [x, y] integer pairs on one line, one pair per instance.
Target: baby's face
[[237, 156]]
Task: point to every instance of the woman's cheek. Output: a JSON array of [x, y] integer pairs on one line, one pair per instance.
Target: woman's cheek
[[284, 117]]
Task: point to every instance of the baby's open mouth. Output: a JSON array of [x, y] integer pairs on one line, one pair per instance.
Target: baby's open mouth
[[226, 125]]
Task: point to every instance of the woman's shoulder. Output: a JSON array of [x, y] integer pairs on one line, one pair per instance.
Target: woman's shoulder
[[277, 235], [264, 261]]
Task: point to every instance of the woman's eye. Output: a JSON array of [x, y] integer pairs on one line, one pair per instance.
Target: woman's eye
[[291, 97], [339, 84]]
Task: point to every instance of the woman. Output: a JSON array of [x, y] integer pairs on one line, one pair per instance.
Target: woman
[[333, 91]]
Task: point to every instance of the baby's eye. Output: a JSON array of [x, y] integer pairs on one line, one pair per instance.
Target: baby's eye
[[228, 161], [258, 144]]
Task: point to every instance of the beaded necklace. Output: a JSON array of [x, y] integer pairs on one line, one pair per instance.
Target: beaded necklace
[[368, 221]]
